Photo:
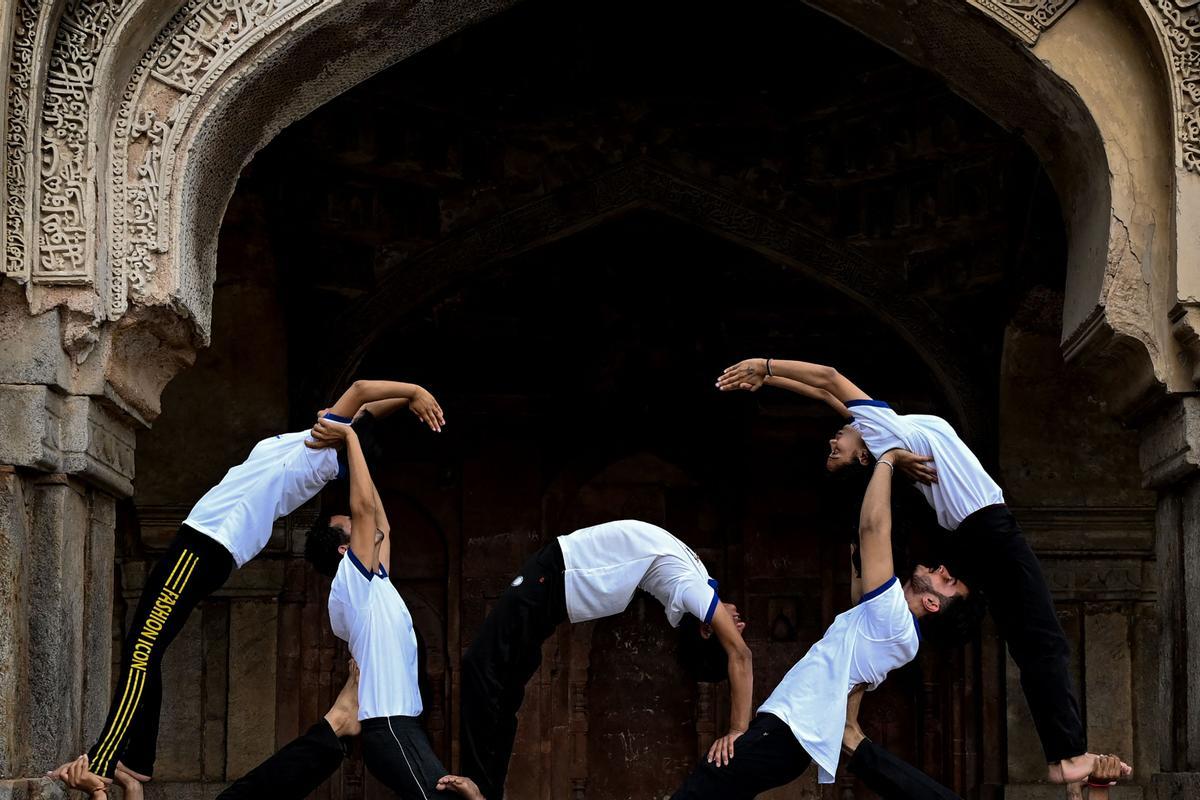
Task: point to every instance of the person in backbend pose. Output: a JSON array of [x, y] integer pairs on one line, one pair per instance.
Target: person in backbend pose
[[804, 720], [367, 612], [991, 551], [586, 575], [229, 526]]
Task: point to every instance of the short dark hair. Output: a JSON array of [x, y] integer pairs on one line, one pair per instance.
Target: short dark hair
[[321, 545], [957, 622], [702, 658]]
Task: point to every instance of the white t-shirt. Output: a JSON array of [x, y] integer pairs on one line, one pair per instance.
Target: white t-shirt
[[862, 645], [367, 612], [963, 485], [607, 563], [279, 476]]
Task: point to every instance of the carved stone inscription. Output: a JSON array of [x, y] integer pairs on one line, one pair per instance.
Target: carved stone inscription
[[1181, 21], [66, 202], [16, 137]]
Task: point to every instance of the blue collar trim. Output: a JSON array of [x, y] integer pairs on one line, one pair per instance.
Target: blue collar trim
[[354, 560], [864, 402], [878, 590]]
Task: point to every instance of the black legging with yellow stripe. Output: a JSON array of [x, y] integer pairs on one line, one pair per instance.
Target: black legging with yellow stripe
[[193, 567]]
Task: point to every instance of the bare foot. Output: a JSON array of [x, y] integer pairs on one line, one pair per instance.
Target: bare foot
[[464, 786], [130, 782], [343, 717], [1074, 770]]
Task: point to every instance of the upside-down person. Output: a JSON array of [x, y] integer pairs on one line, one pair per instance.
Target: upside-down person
[[229, 526], [591, 573], [367, 612], [804, 719], [990, 550]]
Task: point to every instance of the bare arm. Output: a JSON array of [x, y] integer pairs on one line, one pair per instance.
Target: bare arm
[[751, 373], [741, 668], [419, 400], [382, 526], [812, 392], [364, 541], [383, 408], [875, 527]]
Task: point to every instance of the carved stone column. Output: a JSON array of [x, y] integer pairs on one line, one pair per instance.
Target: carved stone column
[[1170, 457]]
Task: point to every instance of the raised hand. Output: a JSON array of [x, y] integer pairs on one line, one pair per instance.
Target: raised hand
[[914, 467], [426, 407], [722, 749], [748, 375], [327, 434]]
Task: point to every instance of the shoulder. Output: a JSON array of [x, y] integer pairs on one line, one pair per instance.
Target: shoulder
[[889, 587]]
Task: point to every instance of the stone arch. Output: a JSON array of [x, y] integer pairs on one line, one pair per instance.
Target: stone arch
[[644, 184], [224, 77]]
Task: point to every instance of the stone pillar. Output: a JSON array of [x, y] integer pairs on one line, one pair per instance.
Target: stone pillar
[[64, 462], [1170, 460]]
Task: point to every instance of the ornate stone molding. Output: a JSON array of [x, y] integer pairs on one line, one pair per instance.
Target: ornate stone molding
[[18, 95], [1025, 18], [73, 434], [200, 43], [1181, 25]]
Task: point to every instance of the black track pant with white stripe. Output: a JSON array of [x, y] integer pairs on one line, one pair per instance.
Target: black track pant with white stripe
[[295, 771], [397, 752], [193, 567]]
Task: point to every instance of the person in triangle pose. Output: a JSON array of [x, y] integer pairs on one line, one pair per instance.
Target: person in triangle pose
[[989, 549], [804, 719]]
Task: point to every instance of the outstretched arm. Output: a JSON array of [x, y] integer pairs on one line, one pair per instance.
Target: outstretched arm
[[751, 373], [365, 536], [741, 683], [812, 392], [875, 527], [419, 400]]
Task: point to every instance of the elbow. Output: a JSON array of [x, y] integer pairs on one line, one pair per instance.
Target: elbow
[[358, 392], [826, 378], [742, 656]]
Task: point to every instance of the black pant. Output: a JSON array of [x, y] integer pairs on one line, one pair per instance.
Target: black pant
[[891, 778], [193, 567], [295, 771], [766, 756], [397, 752], [992, 555], [505, 654]]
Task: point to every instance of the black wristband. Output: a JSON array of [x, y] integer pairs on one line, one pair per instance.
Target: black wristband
[[769, 373]]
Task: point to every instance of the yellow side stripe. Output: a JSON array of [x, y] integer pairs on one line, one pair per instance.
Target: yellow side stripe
[[139, 682], [180, 574], [188, 560]]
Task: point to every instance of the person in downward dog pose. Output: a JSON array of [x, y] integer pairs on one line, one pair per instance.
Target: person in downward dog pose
[[229, 526], [990, 550], [367, 612], [804, 720], [586, 575]]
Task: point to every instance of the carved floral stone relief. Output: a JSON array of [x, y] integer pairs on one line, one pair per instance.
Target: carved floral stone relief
[[1026, 18]]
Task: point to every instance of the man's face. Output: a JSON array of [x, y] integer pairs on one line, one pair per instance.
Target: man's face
[[845, 448], [341, 521], [939, 582]]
